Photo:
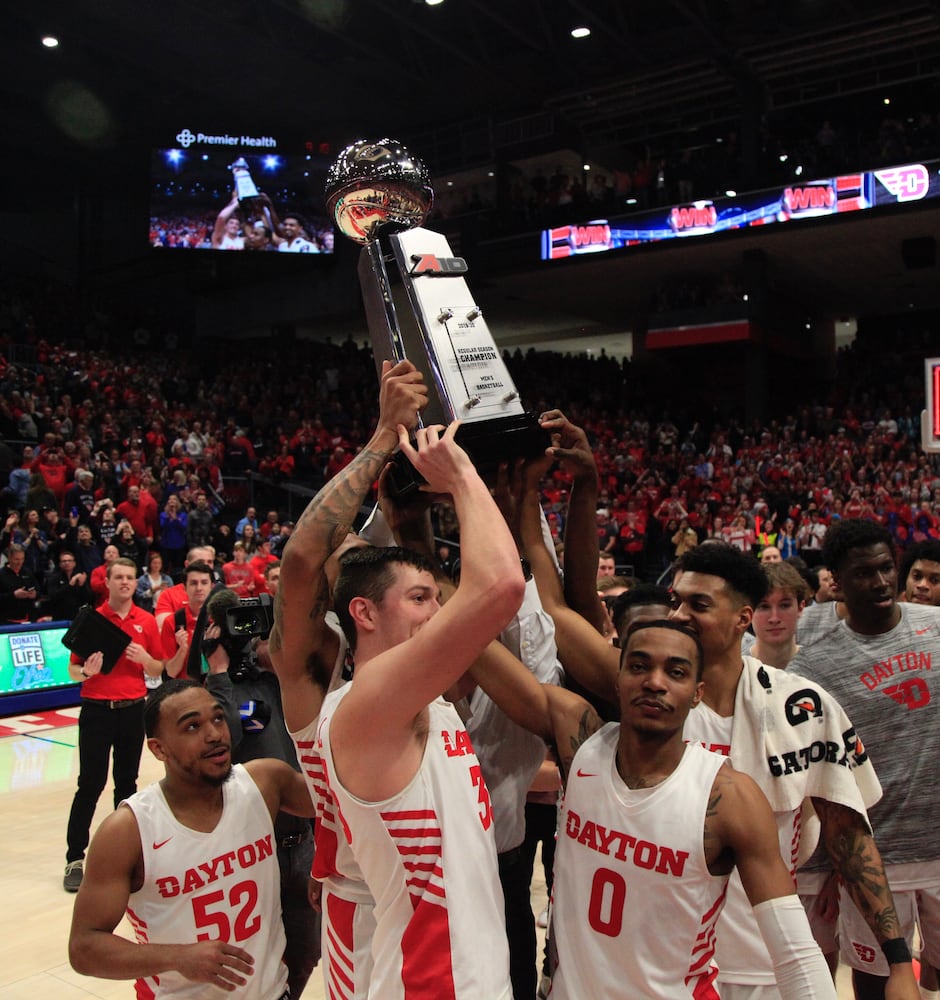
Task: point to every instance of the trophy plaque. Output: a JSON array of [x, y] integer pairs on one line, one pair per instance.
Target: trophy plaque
[[379, 195]]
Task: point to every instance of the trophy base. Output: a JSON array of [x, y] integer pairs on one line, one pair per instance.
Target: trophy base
[[487, 442], [502, 439]]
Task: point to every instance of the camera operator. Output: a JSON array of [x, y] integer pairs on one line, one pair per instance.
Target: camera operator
[[250, 694]]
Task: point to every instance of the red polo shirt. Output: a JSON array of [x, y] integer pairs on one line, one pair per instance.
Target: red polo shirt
[[126, 680], [171, 599], [168, 632]]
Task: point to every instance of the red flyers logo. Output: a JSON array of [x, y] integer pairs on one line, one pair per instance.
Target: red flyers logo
[[865, 953], [912, 693]]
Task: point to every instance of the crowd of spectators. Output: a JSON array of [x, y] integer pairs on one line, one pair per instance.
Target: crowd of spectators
[[194, 232], [144, 452]]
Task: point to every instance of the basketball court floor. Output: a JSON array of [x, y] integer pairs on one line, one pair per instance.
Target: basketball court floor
[[38, 769]]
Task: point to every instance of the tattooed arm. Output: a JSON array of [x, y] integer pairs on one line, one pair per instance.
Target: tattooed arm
[[573, 721], [740, 831], [856, 858], [303, 647], [544, 709], [739, 819]]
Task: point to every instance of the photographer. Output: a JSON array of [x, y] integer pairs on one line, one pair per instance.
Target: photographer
[[248, 690]]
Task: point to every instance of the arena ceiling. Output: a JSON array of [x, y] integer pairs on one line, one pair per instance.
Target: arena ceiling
[[338, 69]]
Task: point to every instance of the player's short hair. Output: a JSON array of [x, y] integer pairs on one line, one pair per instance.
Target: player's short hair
[[271, 565], [369, 572], [741, 572], [929, 550], [673, 626], [852, 533], [642, 595], [156, 698]]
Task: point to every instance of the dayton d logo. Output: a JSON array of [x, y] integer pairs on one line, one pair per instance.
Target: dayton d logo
[[802, 705]]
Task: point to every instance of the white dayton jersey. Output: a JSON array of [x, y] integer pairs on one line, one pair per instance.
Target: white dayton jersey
[[348, 920], [429, 857], [634, 904], [742, 956], [224, 885], [298, 245]]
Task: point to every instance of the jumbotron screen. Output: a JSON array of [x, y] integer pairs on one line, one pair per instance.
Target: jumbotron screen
[[233, 191], [790, 203]]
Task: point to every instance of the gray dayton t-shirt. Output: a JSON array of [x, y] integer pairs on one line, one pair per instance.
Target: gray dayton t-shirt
[[889, 685]]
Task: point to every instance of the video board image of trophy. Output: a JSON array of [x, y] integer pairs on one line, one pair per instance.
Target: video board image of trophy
[[379, 195], [250, 200]]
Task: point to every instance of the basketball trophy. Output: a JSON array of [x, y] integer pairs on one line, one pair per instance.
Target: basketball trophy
[[245, 187], [250, 200], [379, 195]]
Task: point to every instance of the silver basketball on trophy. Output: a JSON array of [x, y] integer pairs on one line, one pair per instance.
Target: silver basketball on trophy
[[379, 195], [376, 185]]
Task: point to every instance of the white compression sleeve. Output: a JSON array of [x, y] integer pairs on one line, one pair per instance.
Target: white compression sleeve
[[799, 966]]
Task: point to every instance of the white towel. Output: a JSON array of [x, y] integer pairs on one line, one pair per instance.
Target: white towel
[[793, 738]]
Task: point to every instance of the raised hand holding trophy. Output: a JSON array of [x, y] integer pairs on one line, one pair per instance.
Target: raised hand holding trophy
[[379, 195]]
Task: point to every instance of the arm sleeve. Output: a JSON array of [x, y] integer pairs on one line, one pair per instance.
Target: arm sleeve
[[799, 966]]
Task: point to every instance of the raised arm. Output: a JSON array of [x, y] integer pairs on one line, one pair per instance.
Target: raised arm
[[855, 855], [570, 446], [113, 866], [583, 651], [408, 519], [218, 230], [303, 647], [393, 687], [274, 223]]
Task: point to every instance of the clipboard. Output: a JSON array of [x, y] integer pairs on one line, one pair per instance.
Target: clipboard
[[90, 632]]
